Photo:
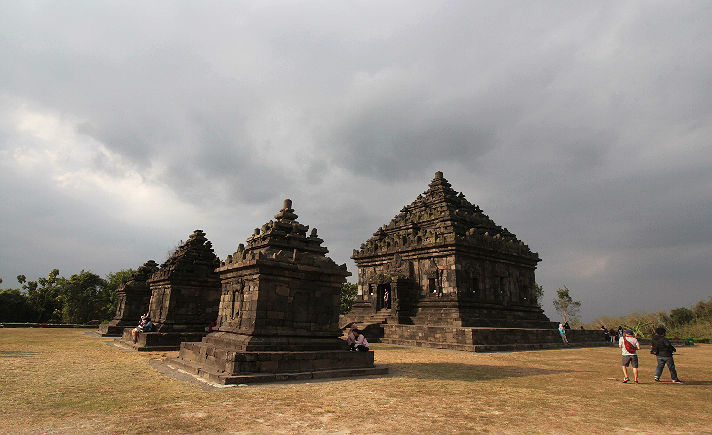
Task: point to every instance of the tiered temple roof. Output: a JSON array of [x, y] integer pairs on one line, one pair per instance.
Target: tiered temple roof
[[282, 240], [441, 216], [196, 253], [143, 272]]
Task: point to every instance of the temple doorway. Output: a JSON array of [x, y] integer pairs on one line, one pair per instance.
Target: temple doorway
[[383, 296]]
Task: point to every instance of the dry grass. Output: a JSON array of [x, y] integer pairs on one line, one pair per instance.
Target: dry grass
[[63, 381]]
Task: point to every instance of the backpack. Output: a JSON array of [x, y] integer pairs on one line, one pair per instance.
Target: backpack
[[629, 346]]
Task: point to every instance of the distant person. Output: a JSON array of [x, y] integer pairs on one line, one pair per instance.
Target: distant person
[[566, 325], [629, 346], [210, 327], [620, 333], [663, 350], [612, 334], [582, 328], [361, 342], [351, 338], [562, 333], [145, 325]]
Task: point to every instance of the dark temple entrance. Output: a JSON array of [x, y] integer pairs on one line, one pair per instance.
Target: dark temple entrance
[[384, 296]]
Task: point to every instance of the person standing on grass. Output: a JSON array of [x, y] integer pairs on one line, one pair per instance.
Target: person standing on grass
[[562, 333], [663, 350], [629, 346]]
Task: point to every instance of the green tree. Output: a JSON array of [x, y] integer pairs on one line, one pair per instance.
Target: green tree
[[43, 296], [14, 306], [681, 316], [703, 310], [84, 297], [348, 297], [565, 305]]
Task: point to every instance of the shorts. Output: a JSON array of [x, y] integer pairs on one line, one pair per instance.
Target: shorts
[[630, 359]]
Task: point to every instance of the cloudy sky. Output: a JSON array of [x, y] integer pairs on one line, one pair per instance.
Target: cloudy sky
[[583, 127]]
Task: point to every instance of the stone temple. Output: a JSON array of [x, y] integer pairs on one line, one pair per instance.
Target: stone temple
[[278, 315], [185, 294], [443, 274], [133, 297]]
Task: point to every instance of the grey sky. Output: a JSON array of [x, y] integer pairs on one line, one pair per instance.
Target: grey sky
[[583, 127]]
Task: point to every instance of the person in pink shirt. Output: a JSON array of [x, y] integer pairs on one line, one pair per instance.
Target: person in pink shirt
[[351, 338], [361, 342]]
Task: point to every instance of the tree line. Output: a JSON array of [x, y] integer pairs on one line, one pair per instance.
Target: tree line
[[81, 298]]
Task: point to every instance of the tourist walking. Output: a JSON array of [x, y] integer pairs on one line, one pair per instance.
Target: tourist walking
[[663, 350], [629, 346], [562, 333]]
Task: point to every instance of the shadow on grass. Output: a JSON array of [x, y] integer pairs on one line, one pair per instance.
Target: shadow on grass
[[15, 353], [694, 383], [466, 372]]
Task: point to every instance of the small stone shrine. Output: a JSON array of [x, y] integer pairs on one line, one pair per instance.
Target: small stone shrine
[[278, 315], [133, 297], [443, 274], [185, 294]]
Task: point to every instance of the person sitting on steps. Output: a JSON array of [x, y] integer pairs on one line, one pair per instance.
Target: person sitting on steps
[[361, 342], [351, 338], [145, 325]]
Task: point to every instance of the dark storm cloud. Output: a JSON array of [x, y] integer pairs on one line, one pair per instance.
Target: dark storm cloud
[[582, 128]]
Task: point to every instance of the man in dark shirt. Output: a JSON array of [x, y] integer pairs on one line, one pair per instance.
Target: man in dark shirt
[[663, 350]]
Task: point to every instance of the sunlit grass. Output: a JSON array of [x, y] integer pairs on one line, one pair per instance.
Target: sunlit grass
[[63, 381]]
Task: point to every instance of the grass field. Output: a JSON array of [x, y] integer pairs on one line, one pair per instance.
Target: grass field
[[64, 381]]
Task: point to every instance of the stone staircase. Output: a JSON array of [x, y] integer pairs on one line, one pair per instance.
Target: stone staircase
[[371, 326]]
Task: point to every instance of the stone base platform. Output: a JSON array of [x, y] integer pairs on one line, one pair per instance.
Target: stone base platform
[[107, 330], [226, 366], [159, 341], [483, 339]]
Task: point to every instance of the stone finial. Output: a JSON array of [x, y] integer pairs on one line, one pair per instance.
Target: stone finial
[[438, 175], [313, 233], [287, 212]]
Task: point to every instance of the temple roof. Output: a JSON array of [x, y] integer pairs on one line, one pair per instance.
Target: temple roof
[[441, 216], [144, 271], [195, 254], [283, 240]]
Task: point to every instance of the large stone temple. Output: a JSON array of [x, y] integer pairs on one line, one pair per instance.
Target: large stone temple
[[278, 314], [443, 274]]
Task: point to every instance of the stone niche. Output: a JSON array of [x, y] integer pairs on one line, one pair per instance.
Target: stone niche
[[185, 294], [278, 315], [133, 297]]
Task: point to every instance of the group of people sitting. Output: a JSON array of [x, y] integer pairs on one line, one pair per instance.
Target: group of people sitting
[[145, 325], [356, 341]]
